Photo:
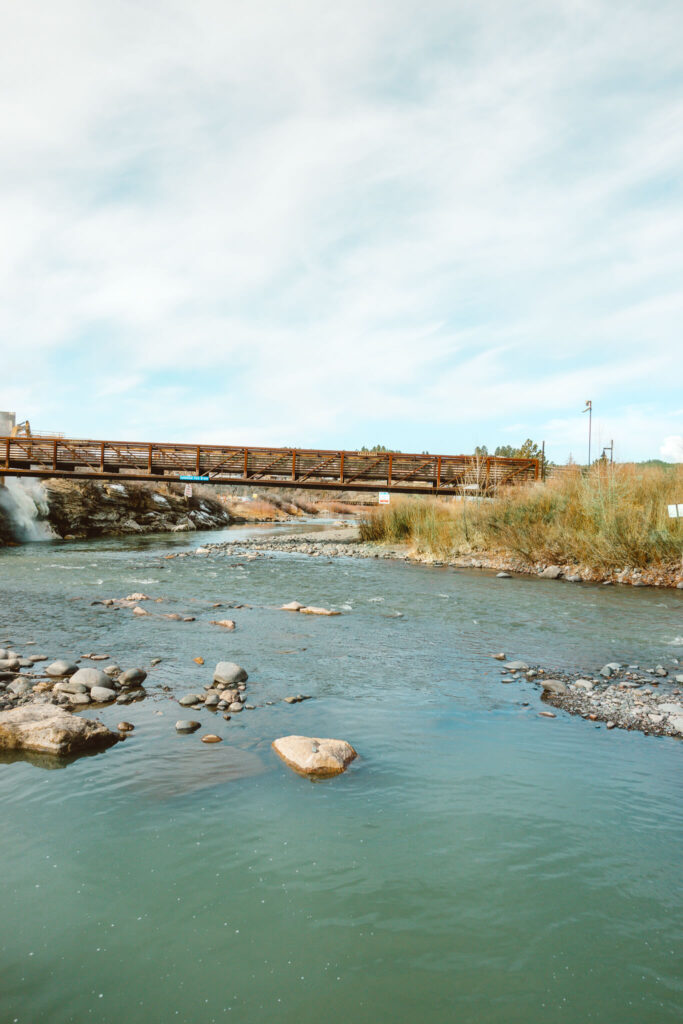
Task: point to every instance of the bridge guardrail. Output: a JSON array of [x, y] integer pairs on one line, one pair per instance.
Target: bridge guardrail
[[258, 465]]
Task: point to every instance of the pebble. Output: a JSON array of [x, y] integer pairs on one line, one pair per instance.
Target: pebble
[[125, 726], [187, 725], [546, 714], [211, 738], [235, 708]]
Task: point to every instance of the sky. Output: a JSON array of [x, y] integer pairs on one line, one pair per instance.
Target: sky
[[428, 225]]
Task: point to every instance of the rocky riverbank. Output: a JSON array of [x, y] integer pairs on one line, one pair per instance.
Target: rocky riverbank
[[344, 541], [621, 696], [81, 509]]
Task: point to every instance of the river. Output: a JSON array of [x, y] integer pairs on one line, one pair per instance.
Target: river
[[477, 863]]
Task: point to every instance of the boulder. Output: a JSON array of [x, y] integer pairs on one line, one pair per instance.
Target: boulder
[[102, 694], [68, 687], [516, 666], [293, 606], [671, 708], [503, 576], [50, 730], [211, 738], [552, 572], [676, 724], [61, 668], [228, 672], [90, 677], [553, 686], [189, 699], [583, 684], [312, 610], [132, 677], [78, 698], [9, 664], [320, 758], [187, 725], [226, 623], [19, 686]]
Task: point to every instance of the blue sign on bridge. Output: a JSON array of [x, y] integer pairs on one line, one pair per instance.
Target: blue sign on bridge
[[197, 479]]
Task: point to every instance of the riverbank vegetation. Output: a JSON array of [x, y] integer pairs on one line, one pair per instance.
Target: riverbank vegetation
[[611, 517]]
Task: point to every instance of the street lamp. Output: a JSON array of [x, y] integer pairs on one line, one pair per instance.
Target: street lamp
[[589, 410]]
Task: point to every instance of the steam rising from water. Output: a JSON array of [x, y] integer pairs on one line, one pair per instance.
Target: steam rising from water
[[25, 505]]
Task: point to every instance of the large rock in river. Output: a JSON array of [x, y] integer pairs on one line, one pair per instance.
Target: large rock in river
[[90, 677], [50, 730], [61, 668], [309, 755], [228, 672]]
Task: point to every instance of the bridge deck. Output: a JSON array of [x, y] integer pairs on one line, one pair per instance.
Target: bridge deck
[[59, 456]]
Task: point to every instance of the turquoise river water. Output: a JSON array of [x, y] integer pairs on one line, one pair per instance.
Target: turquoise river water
[[477, 863]]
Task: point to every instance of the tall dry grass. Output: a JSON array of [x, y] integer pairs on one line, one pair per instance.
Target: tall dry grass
[[609, 518]]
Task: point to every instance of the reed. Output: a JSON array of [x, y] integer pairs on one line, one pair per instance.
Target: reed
[[608, 518]]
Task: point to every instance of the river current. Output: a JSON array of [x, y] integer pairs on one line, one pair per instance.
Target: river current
[[476, 864]]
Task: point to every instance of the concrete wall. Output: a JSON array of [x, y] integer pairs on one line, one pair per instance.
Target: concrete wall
[[7, 421]]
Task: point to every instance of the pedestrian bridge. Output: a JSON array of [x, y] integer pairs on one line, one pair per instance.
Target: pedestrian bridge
[[314, 468]]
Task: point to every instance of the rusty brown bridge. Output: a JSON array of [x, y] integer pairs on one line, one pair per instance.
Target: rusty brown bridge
[[57, 456]]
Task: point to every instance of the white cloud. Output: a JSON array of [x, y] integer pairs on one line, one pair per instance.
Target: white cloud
[[672, 448], [322, 215]]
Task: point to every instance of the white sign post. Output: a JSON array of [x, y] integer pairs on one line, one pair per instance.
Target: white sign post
[[676, 511], [188, 490], [384, 497]]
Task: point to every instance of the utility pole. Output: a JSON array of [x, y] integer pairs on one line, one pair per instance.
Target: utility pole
[[543, 462], [589, 410]]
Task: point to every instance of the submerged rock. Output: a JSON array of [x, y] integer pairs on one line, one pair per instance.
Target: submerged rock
[[47, 729], [312, 610], [320, 758]]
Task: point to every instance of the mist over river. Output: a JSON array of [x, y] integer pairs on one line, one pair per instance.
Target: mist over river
[[476, 864]]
